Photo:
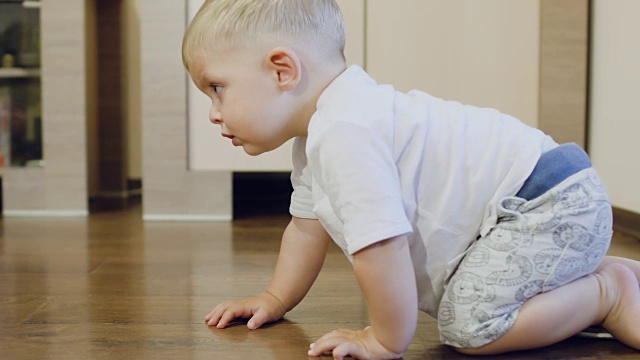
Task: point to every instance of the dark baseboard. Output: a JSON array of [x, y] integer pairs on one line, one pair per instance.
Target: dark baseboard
[[109, 202], [627, 222], [134, 184]]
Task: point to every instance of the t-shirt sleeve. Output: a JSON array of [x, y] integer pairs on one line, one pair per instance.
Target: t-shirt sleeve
[[302, 198], [355, 167]]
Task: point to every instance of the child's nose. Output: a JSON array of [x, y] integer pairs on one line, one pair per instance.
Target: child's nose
[[214, 116]]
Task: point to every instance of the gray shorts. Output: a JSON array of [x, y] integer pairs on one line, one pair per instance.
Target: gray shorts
[[537, 246]]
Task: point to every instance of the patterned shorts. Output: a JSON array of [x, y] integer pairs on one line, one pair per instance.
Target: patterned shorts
[[537, 246]]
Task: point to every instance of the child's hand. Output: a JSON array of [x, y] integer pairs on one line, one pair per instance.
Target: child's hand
[[261, 309], [361, 344]]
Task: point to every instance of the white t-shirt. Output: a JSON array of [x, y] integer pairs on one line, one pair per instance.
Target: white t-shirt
[[378, 163]]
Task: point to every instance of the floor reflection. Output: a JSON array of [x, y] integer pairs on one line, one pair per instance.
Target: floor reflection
[[113, 286]]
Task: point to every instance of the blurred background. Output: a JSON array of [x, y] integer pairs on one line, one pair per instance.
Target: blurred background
[[97, 112]]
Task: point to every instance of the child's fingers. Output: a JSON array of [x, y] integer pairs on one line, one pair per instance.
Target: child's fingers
[[349, 348], [213, 319], [327, 343], [225, 319], [215, 315], [334, 334], [211, 313], [231, 313], [258, 319]]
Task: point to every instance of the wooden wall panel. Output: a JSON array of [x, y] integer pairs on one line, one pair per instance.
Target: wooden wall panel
[[564, 52], [112, 136]]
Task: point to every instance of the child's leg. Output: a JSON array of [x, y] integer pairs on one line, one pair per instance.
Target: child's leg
[[634, 265], [610, 297]]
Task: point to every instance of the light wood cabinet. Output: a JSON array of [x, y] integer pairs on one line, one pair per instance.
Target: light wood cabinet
[[60, 187]]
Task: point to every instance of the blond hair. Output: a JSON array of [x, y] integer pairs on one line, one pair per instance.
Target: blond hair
[[228, 23]]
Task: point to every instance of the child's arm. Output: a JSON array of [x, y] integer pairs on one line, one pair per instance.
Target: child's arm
[[386, 276], [302, 253]]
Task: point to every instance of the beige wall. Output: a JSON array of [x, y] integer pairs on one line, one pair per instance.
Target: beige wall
[[482, 53], [171, 191], [614, 120]]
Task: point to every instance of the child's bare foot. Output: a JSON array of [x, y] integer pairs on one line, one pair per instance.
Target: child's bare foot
[[621, 296]]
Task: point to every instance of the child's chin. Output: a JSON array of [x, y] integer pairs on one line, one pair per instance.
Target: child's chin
[[252, 151]]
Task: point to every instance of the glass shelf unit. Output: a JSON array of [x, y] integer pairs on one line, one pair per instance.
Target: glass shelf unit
[[20, 85]]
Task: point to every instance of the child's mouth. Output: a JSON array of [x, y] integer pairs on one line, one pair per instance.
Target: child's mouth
[[234, 140]]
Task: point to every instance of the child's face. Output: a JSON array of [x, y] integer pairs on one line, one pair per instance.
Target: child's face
[[245, 99]]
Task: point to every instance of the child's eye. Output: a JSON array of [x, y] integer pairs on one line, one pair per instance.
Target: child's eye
[[216, 88]]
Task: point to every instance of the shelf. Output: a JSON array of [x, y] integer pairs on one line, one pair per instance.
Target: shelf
[[31, 4], [16, 73], [31, 164], [28, 4]]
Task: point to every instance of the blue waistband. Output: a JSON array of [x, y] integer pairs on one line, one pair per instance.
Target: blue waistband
[[552, 168]]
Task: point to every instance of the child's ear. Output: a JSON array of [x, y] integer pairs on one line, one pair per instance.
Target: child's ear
[[284, 65]]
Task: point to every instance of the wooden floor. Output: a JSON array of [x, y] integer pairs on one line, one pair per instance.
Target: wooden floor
[[115, 287]]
